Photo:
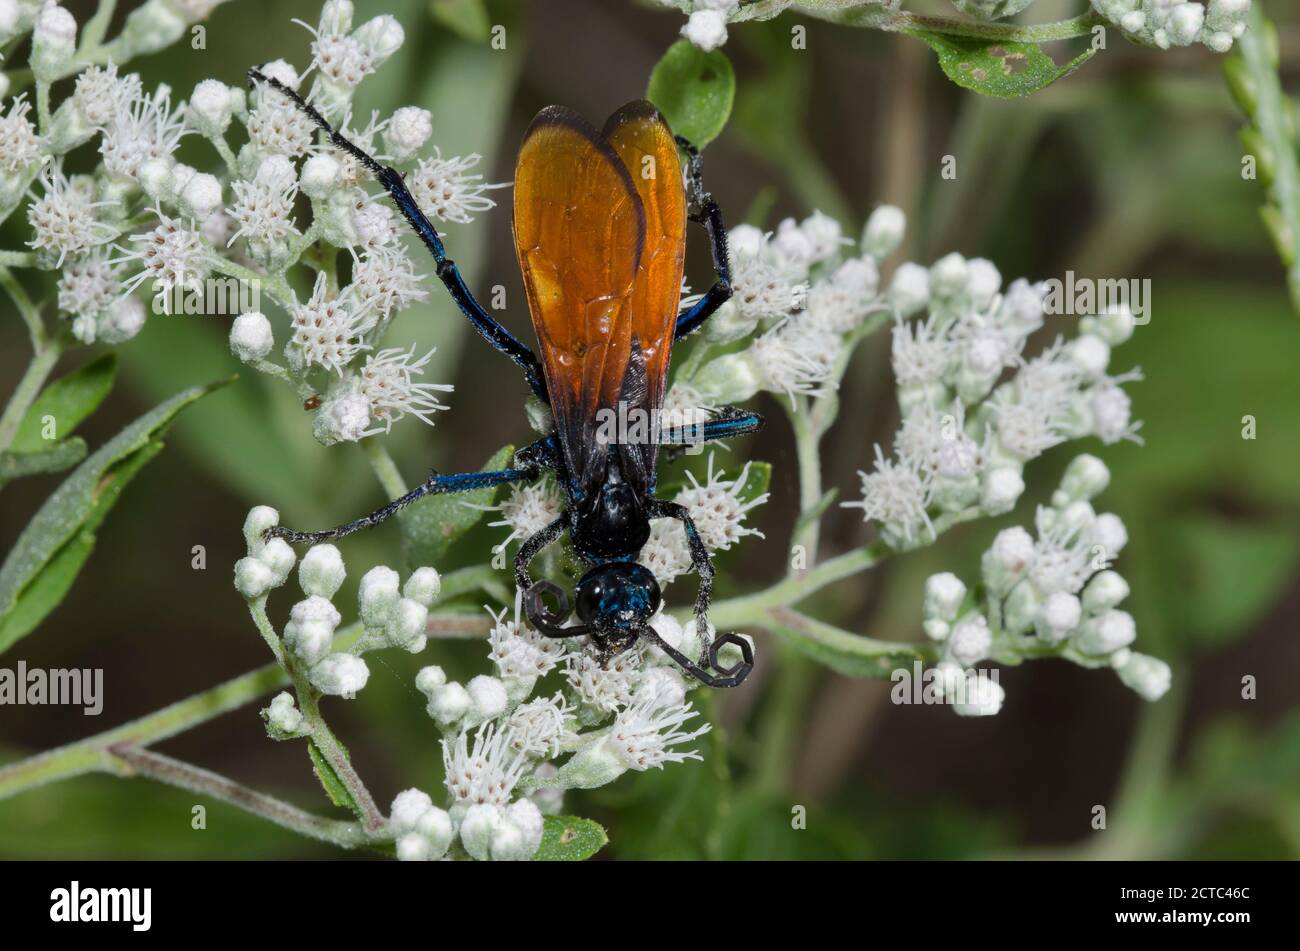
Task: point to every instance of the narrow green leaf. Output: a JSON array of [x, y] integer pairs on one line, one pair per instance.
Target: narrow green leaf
[[468, 18], [73, 512], [67, 401], [570, 839], [57, 457], [430, 525], [760, 477], [694, 90], [329, 780], [1000, 69], [839, 650]]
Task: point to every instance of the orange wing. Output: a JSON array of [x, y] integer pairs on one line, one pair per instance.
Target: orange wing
[[595, 275], [642, 139]]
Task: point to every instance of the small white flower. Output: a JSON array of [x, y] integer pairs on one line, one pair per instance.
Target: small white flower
[[88, 285], [344, 416], [144, 126], [1112, 411], [643, 734], [487, 771], [1061, 559], [540, 727], [444, 189], [251, 338], [922, 353], [944, 594], [20, 146], [325, 330], [387, 384], [896, 496], [275, 124], [666, 552], [282, 715], [759, 291], [172, 256], [527, 509], [263, 209], [716, 508], [63, 222], [603, 689], [407, 131], [795, 357], [384, 281], [519, 651]]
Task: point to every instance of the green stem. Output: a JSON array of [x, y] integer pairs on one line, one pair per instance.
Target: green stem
[[385, 469], [17, 259], [29, 387], [871, 15], [91, 754], [96, 28], [135, 761]]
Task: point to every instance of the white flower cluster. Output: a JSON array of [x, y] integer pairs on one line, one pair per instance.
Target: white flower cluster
[[237, 223], [392, 615], [501, 737], [706, 25], [967, 432], [1050, 594], [718, 506], [1166, 23]]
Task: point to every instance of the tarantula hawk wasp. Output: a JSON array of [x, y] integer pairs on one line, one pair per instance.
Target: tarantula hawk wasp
[[600, 233]]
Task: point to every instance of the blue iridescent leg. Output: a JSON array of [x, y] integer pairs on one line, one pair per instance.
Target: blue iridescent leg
[[730, 676], [727, 422], [706, 211], [487, 325]]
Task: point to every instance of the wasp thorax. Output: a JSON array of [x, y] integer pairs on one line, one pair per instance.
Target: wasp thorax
[[618, 597]]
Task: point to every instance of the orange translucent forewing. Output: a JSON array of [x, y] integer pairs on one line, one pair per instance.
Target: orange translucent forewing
[[579, 230], [642, 139]]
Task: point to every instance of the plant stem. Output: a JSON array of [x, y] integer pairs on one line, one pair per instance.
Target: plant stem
[[29, 387], [135, 761], [871, 15], [91, 754], [385, 468]]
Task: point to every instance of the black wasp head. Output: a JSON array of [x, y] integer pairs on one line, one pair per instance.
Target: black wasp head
[[616, 599]]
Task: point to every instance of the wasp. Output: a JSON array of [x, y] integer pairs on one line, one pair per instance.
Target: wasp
[[600, 234]]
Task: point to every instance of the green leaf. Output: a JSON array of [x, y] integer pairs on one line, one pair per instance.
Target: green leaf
[[845, 653], [570, 839], [760, 477], [468, 18], [69, 400], [430, 525], [1004, 70], [70, 516], [1229, 574], [694, 90], [329, 779], [57, 457]]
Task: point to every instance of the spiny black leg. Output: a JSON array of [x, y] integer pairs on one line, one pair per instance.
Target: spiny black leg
[[487, 325], [727, 422], [706, 211], [540, 616], [436, 485]]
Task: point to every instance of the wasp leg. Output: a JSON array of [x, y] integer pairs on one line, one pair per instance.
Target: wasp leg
[[435, 485], [487, 326], [731, 676], [728, 422], [706, 211], [540, 616]]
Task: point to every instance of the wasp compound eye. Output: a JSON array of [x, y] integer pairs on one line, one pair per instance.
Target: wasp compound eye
[[618, 597]]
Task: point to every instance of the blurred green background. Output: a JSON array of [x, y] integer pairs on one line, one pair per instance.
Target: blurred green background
[[1129, 168]]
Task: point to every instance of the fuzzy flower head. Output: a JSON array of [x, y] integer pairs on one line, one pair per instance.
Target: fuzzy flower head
[[717, 508], [644, 734], [20, 146], [386, 381], [486, 771], [325, 330], [144, 126], [172, 256], [63, 221], [519, 651], [445, 190], [896, 496], [527, 509]]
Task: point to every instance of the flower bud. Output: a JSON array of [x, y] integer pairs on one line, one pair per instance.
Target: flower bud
[[591, 767], [1021, 608], [408, 807], [320, 176], [949, 276], [282, 717], [430, 679], [477, 827], [980, 697], [1105, 591], [423, 586], [253, 578], [448, 703], [732, 378], [407, 131], [1002, 488], [123, 320], [909, 288], [406, 624], [54, 42], [1057, 617], [340, 675], [884, 231], [278, 555], [251, 338], [970, 640], [321, 571], [1085, 478], [1149, 677], [944, 594], [211, 107], [259, 520], [1106, 633], [487, 699], [983, 283], [377, 596], [381, 37], [1007, 558]]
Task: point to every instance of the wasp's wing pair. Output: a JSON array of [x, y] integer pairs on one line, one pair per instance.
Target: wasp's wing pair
[[600, 231]]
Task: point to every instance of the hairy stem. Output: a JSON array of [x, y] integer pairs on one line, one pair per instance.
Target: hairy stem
[[136, 761], [385, 469]]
